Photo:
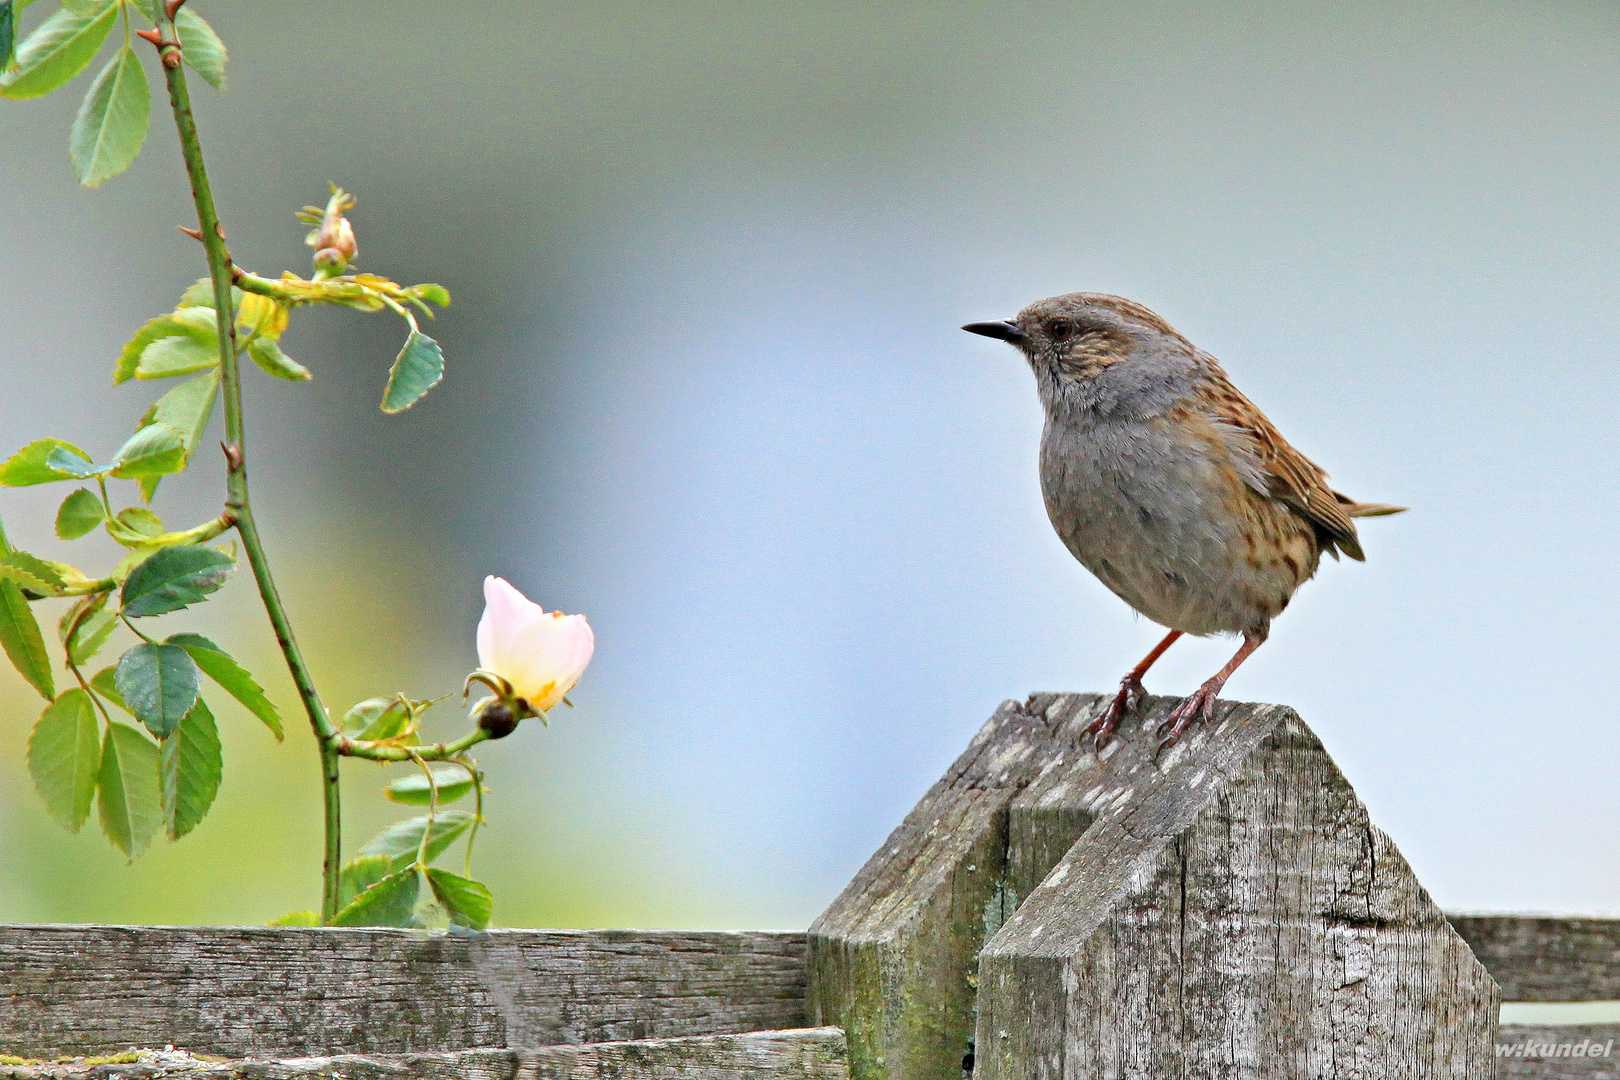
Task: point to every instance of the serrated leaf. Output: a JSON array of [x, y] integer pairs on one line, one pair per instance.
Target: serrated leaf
[[204, 52], [61, 47], [179, 355], [158, 684], [107, 134], [187, 408], [86, 627], [390, 902], [360, 874], [149, 8], [173, 578], [131, 799], [236, 680], [135, 526], [418, 369], [192, 766], [24, 644], [201, 294], [164, 326], [74, 465], [31, 573], [377, 718], [296, 918], [469, 902], [105, 683], [413, 790], [401, 841], [41, 462], [79, 513], [64, 757], [268, 355], [260, 316], [154, 450]]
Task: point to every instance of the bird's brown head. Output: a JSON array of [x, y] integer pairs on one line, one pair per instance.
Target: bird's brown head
[[1079, 335], [1097, 351]]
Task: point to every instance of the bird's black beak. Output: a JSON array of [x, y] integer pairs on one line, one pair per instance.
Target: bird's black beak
[[1005, 330]]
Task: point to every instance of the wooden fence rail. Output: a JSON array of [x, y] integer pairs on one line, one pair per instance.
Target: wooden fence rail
[[1044, 913]]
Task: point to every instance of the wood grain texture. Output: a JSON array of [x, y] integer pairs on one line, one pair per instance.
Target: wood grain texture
[[1546, 1053], [803, 1054], [893, 959], [1546, 957], [1228, 912], [284, 992]]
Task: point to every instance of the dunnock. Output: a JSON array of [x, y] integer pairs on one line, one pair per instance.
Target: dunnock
[[1170, 486]]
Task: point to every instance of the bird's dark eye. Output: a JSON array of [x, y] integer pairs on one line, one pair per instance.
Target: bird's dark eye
[[1062, 330]]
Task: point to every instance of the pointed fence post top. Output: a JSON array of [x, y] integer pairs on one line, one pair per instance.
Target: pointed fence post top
[[1226, 909]]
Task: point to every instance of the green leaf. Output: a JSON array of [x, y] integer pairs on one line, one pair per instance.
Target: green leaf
[[43, 461], [296, 918], [171, 356], [173, 578], [24, 644], [64, 757], [377, 718], [413, 790], [220, 666], [200, 293], [417, 369], [150, 8], [360, 874], [107, 134], [268, 355], [201, 47], [187, 408], [390, 902], [8, 33], [164, 326], [131, 800], [59, 49], [192, 767], [438, 294], [154, 450], [135, 526], [105, 683], [158, 684], [30, 572], [79, 513], [400, 841], [469, 901], [86, 627]]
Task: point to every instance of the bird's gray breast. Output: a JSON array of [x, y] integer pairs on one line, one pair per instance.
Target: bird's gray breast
[[1146, 510]]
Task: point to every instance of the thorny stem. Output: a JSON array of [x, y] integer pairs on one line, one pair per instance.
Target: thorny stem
[[236, 479]]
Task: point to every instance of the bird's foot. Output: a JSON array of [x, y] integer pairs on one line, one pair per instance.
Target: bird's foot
[[1197, 706], [1131, 693]]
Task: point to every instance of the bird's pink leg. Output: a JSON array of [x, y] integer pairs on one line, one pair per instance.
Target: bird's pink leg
[[1130, 694], [1200, 704]]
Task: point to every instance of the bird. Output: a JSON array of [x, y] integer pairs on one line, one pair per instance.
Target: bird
[[1171, 486]]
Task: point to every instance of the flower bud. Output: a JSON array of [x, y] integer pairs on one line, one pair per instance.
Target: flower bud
[[498, 719], [541, 654], [333, 241]]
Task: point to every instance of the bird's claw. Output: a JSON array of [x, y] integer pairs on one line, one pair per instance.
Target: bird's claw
[[1130, 695], [1197, 706]]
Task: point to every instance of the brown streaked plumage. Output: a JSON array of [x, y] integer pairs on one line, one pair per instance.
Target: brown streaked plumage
[[1169, 485]]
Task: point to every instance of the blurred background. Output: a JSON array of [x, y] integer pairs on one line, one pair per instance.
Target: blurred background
[[706, 385]]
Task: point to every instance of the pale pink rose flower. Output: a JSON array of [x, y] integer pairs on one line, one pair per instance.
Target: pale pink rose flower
[[541, 653]]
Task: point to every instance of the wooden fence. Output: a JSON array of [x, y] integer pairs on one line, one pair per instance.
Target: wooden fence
[[1045, 913]]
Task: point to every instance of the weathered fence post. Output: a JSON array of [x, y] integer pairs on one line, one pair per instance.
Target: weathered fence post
[[1228, 910]]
